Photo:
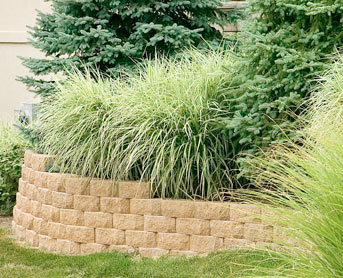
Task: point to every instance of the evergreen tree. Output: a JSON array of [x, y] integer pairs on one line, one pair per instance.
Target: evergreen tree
[[111, 34], [285, 47]]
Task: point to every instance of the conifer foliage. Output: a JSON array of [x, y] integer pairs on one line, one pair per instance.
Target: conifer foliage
[[285, 47], [112, 34]]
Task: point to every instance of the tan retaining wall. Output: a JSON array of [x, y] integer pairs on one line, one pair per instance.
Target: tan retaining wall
[[74, 215]]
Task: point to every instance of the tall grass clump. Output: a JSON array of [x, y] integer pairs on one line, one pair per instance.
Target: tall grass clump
[[306, 188], [162, 124]]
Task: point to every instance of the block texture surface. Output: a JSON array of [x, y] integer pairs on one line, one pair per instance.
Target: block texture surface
[[78, 215]]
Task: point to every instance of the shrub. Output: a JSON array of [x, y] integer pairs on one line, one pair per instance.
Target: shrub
[[308, 182], [163, 124], [113, 34], [12, 147], [284, 49]]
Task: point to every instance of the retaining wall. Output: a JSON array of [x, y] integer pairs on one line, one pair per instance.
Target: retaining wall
[[76, 215]]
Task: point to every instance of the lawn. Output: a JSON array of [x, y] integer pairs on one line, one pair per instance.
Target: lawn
[[17, 261]]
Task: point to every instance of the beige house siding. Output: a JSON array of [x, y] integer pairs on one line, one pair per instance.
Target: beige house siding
[[15, 16]]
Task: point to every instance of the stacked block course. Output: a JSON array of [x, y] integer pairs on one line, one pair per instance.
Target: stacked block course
[[76, 215]]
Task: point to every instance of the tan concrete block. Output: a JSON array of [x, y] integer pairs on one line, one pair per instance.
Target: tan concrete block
[[162, 224], [109, 236], [103, 188], [23, 203], [183, 253], [145, 206], [77, 185], [57, 230], [80, 234], [38, 179], [36, 224], [50, 213], [41, 179], [19, 216], [178, 208], [20, 233], [53, 245], [245, 213], [98, 219], [72, 217], [40, 226], [36, 208], [47, 243], [128, 222], [21, 185], [114, 205], [41, 161], [87, 203], [140, 239], [228, 229], [16, 214], [18, 201], [232, 243], [63, 231], [268, 217], [205, 243], [121, 248], [28, 158], [68, 247], [27, 221], [132, 189], [212, 210], [192, 226], [25, 173], [154, 253], [55, 182], [62, 200], [23, 188], [31, 191], [172, 241], [35, 193], [258, 232], [281, 236], [44, 196], [91, 248], [32, 238], [32, 176]]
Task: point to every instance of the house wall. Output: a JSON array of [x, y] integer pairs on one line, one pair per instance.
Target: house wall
[[15, 16]]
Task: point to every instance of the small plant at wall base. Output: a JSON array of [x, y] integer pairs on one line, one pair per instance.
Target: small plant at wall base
[[112, 35], [163, 124], [12, 148], [284, 49]]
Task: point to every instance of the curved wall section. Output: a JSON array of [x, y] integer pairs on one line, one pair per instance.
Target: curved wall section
[[76, 215]]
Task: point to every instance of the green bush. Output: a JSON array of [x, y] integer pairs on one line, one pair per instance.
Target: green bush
[[307, 193], [285, 47], [162, 124], [111, 35], [12, 148]]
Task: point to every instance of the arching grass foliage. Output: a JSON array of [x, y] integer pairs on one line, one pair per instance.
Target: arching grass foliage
[[162, 124], [306, 192]]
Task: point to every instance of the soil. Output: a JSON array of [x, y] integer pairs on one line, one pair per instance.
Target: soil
[[5, 222]]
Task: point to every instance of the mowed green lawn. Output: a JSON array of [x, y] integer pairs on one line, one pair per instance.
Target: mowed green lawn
[[21, 262]]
